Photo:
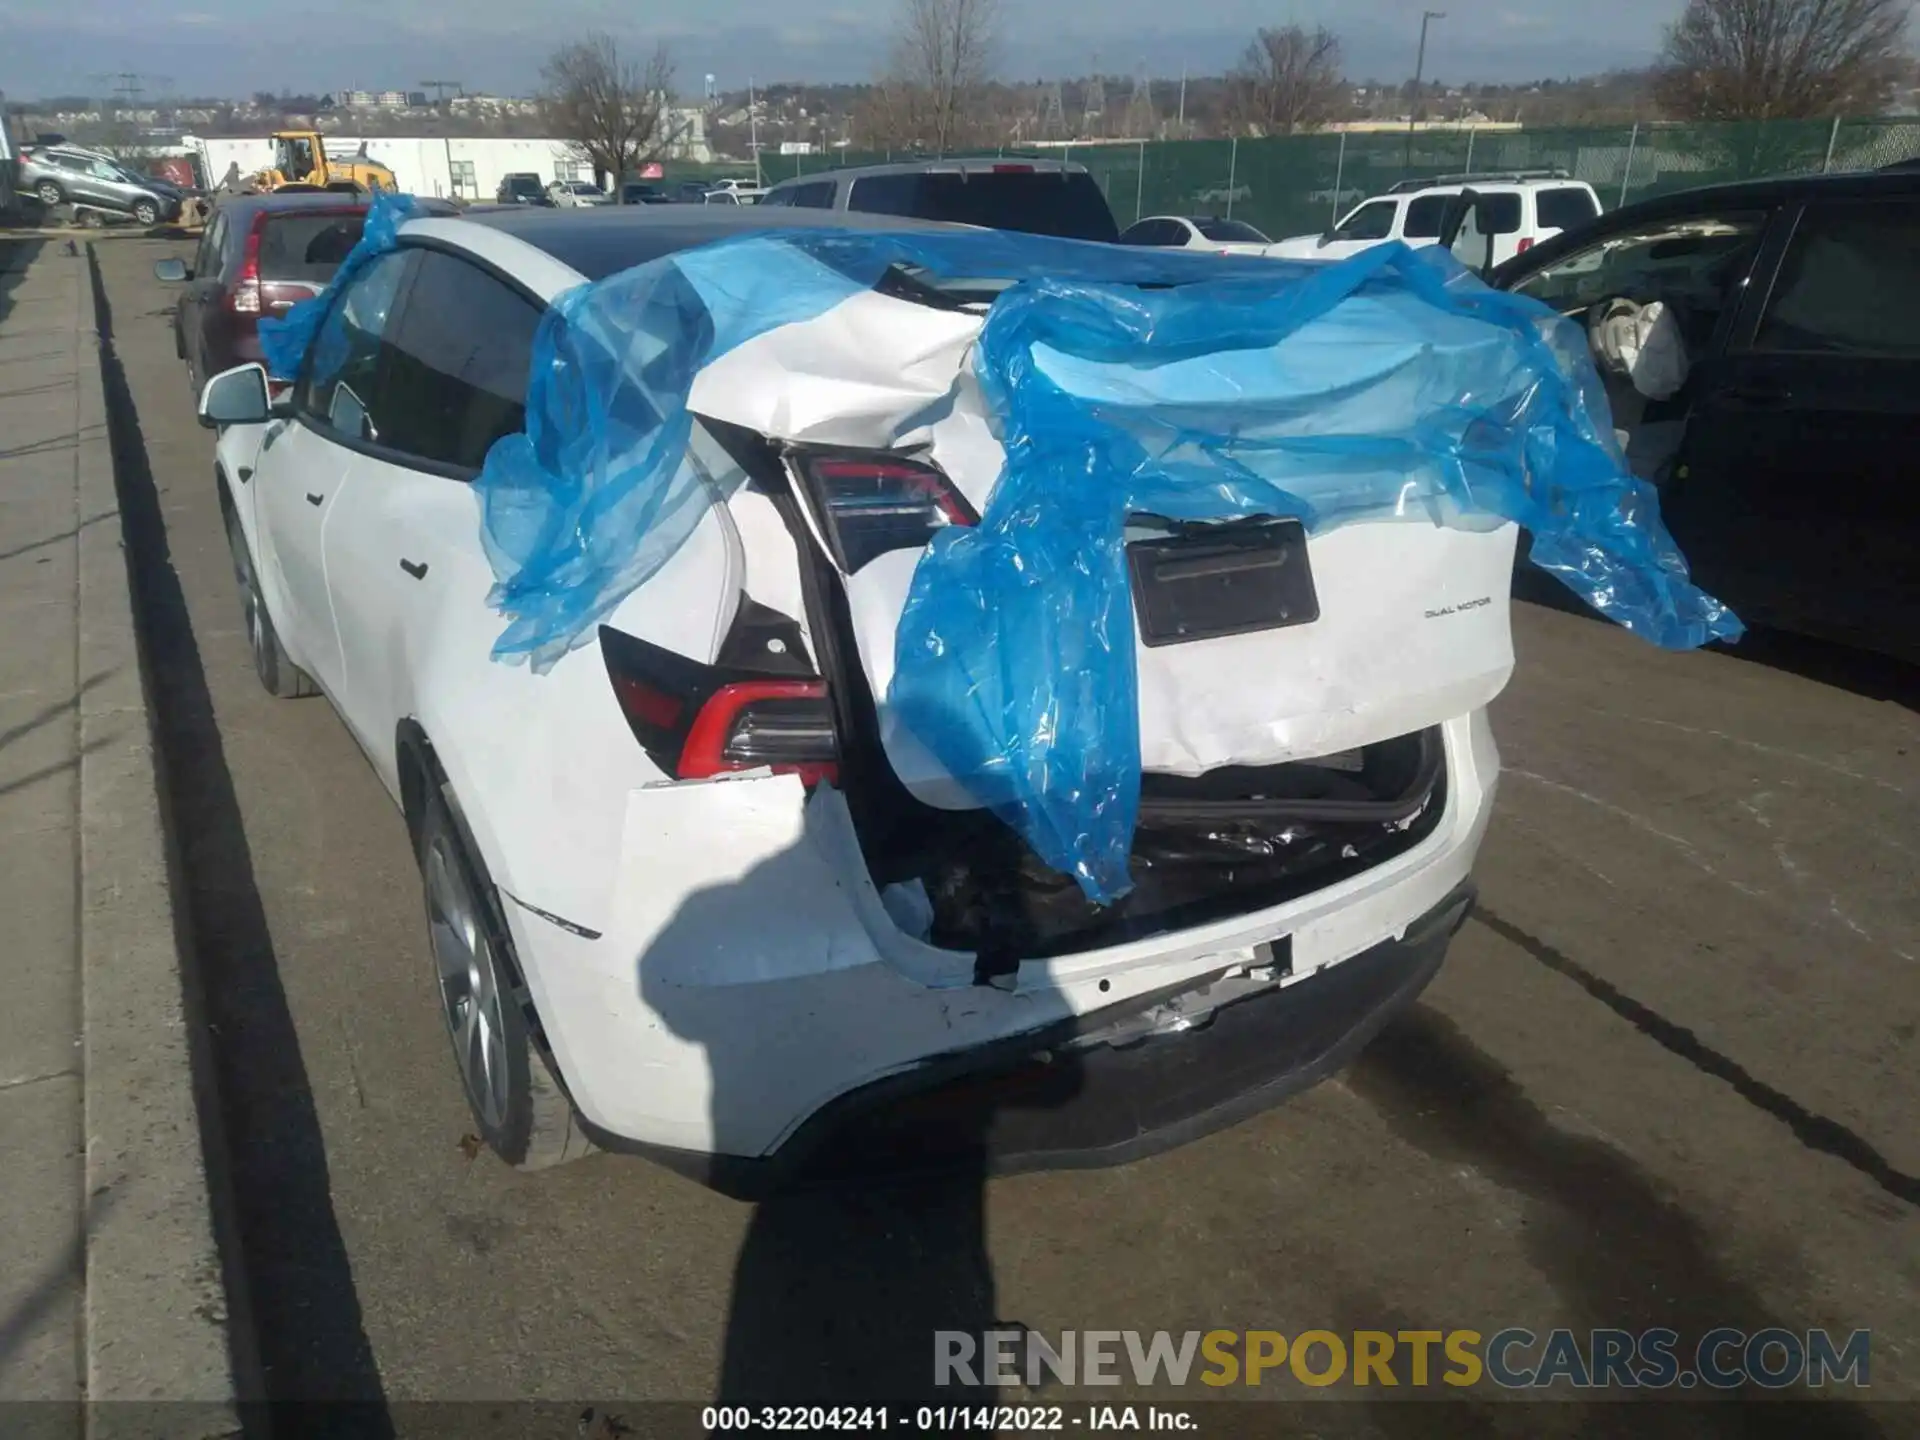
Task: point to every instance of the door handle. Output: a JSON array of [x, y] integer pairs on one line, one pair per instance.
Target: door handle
[[313, 499], [418, 572]]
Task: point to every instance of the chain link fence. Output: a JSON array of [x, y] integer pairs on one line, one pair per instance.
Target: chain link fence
[[1301, 184]]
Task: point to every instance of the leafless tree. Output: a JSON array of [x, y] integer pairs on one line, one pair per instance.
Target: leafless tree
[[1288, 80], [1781, 59], [937, 73], [613, 109]]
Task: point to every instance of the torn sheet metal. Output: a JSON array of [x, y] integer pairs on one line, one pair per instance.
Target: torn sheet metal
[[1390, 386]]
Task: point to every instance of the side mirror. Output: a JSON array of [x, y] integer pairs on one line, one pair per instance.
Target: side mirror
[[236, 397], [171, 271]]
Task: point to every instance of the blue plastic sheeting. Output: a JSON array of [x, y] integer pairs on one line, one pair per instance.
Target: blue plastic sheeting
[[1219, 395], [1455, 404], [284, 340]]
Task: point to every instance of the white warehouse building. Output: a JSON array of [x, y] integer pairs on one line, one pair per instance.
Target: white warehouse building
[[449, 167]]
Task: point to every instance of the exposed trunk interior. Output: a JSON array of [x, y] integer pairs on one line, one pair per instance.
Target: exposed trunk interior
[[1206, 848], [1228, 842]]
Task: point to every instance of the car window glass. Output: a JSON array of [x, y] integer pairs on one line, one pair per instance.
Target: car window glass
[[1850, 284], [1690, 262], [345, 353], [456, 377], [1230, 232], [306, 246], [1424, 216], [206, 260], [1372, 221], [1068, 204], [812, 197], [1564, 208], [1500, 211]]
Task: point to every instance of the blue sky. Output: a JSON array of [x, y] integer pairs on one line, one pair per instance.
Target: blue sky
[[234, 46]]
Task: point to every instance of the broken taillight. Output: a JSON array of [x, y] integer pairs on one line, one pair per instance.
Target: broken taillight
[[873, 503], [696, 721]]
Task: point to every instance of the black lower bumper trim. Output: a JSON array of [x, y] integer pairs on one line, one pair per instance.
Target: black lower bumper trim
[[1036, 1102]]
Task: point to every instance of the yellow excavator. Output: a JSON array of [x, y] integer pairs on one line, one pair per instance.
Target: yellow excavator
[[300, 163]]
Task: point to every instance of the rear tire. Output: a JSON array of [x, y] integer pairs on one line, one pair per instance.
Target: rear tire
[[278, 674], [516, 1102]]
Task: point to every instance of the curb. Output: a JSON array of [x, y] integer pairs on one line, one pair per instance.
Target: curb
[[156, 1325]]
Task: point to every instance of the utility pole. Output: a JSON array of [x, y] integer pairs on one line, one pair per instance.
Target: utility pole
[[440, 89], [1180, 131], [1427, 17], [753, 133]]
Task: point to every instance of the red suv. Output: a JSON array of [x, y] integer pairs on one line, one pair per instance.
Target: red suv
[[260, 255]]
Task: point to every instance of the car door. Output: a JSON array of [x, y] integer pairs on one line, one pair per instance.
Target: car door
[[200, 300], [403, 554], [304, 460], [1800, 450]]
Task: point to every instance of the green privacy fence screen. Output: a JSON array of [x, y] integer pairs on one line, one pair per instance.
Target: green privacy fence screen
[[1297, 184]]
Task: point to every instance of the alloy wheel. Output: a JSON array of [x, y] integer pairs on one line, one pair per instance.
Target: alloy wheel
[[470, 989]]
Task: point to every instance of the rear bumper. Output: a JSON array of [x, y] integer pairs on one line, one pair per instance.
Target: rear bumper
[[1046, 1100]]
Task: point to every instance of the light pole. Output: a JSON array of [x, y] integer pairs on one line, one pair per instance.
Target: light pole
[[1427, 17]]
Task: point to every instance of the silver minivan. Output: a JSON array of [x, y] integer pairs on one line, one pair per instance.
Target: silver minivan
[[68, 175]]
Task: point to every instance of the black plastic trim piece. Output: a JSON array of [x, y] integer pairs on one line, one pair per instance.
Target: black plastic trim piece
[[1302, 1034]]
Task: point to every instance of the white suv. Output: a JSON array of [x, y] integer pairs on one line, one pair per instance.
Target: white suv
[[1527, 206], [693, 887]]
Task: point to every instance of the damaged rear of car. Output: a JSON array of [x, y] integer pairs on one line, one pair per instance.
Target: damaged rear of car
[[977, 693]]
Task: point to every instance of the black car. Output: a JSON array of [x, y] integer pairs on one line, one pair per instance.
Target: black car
[[1785, 473], [522, 188]]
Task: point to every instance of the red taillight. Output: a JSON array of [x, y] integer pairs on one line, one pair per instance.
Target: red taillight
[[1526, 244], [648, 704], [696, 721], [244, 297], [783, 725], [872, 504]]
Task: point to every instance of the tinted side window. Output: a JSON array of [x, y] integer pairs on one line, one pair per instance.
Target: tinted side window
[[1564, 208], [456, 378], [1424, 216], [1230, 232], [1372, 221], [337, 389], [206, 260], [1500, 211], [817, 196], [306, 246], [1050, 202], [1850, 284]]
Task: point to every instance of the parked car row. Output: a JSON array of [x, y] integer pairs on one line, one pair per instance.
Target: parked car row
[[526, 188]]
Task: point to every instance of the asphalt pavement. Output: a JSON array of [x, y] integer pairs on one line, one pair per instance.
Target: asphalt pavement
[[1667, 1077]]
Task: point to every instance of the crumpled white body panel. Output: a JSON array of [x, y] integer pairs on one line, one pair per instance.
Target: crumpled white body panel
[[1413, 628]]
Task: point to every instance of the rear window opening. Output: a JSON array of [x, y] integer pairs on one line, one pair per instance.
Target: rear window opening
[[1067, 204], [1206, 848], [1230, 232], [1565, 208], [307, 247]]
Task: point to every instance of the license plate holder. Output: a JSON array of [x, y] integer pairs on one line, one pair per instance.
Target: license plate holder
[[1227, 579]]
